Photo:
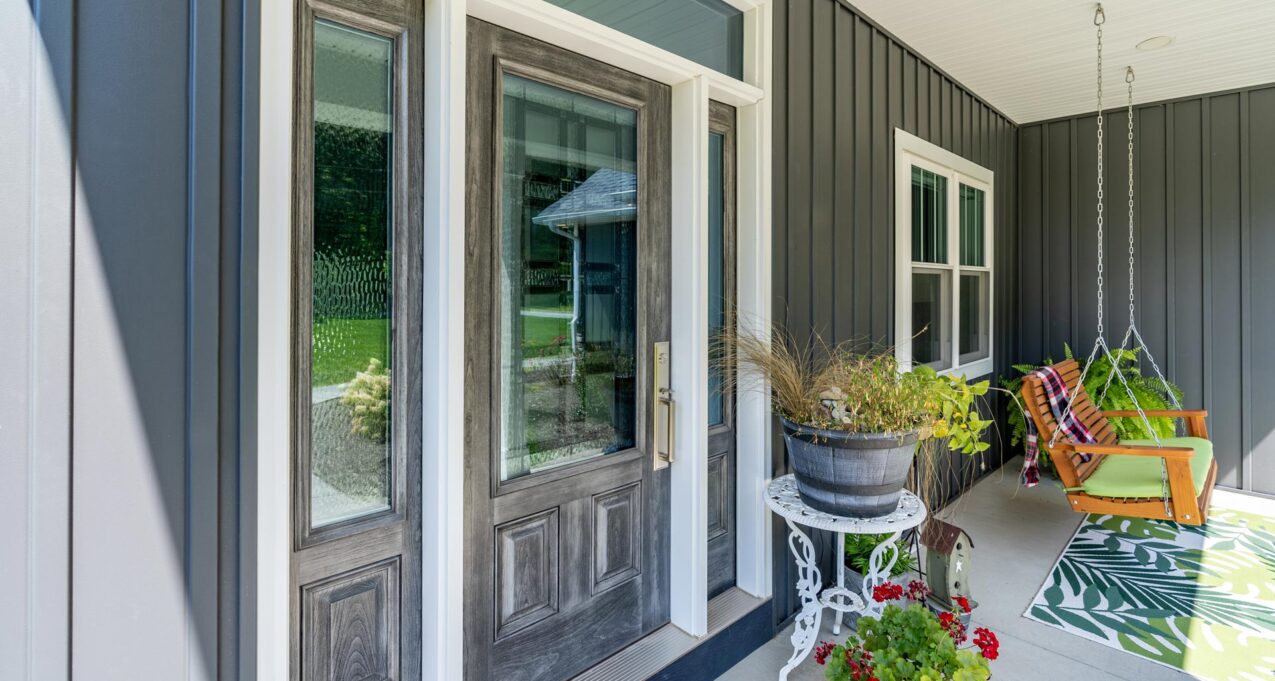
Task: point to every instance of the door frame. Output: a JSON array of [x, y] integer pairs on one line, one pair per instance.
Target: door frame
[[267, 507]]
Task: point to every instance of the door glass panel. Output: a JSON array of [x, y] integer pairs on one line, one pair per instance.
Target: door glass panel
[[709, 32], [567, 277], [350, 369], [929, 216], [931, 344], [971, 207], [716, 275], [975, 339]]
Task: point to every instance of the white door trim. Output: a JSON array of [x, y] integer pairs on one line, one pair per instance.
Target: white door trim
[[274, 304], [443, 467]]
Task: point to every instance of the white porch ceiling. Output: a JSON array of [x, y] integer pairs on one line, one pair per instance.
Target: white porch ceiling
[[1034, 59]]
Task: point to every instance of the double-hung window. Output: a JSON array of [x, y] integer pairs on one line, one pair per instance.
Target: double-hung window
[[943, 253]]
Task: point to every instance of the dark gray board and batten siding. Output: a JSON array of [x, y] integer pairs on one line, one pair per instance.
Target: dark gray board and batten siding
[[842, 86], [1205, 228]]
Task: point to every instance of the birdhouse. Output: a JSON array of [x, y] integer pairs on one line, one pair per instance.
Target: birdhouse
[[948, 552]]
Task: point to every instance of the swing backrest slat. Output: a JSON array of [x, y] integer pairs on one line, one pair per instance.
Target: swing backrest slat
[[1071, 468]]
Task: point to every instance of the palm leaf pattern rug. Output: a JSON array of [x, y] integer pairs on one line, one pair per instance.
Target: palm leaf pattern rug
[[1198, 599]]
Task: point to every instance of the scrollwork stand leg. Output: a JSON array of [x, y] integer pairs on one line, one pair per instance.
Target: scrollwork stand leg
[[809, 581], [879, 571]]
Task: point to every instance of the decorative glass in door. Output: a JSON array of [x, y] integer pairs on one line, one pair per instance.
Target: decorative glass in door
[[716, 275], [351, 281], [567, 277]]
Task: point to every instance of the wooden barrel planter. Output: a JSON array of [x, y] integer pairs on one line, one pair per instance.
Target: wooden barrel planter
[[858, 475]]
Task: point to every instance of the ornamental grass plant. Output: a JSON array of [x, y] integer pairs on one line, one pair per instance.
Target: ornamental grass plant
[[842, 388]]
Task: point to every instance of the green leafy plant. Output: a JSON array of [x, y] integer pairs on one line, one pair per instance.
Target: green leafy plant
[[910, 643], [368, 397], [839, 388], [1148, 390], [859, 549]]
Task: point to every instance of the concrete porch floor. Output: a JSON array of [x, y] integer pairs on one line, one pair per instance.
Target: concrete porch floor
[[1018, 534]]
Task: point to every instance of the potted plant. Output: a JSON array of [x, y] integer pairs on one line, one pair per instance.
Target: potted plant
[[910, 642], [852, 420]]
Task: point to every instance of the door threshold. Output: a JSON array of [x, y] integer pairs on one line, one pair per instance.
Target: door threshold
[[652, 653]]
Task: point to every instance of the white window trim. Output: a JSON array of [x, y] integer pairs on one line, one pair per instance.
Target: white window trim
[[910, 150], [443, 344]]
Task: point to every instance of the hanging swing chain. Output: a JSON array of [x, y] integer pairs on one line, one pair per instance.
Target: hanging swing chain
[[1099, 18], [1128, 78]]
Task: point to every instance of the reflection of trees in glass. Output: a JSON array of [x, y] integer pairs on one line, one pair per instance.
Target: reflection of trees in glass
[[351, 266], [352, 181]]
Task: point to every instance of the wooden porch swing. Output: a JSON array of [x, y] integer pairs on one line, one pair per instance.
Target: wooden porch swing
[[1130, 467], [1159, 478]]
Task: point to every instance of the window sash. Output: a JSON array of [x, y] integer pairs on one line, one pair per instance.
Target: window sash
[[967, 244]]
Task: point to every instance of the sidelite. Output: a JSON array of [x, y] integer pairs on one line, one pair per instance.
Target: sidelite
[[356, 309]]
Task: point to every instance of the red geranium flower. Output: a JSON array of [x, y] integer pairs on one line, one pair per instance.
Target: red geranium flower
[[888, 591], [823, 650], [963, 602], [952, 625], [987, 643], [918, 591]]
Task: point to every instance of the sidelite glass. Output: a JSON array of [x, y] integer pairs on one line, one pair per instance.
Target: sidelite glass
[[567, 277], [716, 274], [350, 369]]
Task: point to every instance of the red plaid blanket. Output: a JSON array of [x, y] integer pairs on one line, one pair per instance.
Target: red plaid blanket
[[1071, 427]]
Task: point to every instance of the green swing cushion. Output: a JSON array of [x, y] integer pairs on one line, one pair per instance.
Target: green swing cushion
[[1139, 476]]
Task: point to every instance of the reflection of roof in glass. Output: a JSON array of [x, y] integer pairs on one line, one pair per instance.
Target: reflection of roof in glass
[[607, 196]]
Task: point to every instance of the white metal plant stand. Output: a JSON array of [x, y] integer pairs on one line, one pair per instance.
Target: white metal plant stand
[[782, 498]]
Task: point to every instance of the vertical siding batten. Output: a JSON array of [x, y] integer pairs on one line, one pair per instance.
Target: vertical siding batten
[[1246, 296]]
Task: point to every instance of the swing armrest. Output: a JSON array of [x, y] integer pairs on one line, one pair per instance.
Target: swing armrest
[[1173, 413], [1196, 424], [1167, 453]]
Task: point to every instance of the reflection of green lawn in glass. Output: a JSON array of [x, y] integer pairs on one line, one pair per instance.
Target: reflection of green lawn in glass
[[541, 335], [343, 347], [571, 418]]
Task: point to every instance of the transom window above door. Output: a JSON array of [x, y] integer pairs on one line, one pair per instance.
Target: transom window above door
[[708, 32], [943, 242]]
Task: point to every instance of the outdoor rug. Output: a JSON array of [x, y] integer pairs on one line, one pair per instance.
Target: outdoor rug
[[1198, 599]]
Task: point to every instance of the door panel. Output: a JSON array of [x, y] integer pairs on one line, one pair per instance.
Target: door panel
[[356, 343], [721, 311], [566, 292]]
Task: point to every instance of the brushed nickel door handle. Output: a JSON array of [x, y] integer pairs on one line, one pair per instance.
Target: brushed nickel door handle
[[663, 409]]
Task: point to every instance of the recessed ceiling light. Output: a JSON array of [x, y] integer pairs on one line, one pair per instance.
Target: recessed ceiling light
[[1155, 43]]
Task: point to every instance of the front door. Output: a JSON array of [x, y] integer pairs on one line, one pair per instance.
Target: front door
[[567, 292]]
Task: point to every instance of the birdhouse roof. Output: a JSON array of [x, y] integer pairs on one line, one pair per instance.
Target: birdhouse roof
[[939, 536]]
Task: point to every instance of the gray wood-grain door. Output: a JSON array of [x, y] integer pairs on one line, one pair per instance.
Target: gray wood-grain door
[[721, 311], [567, 290], [356, 316]]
